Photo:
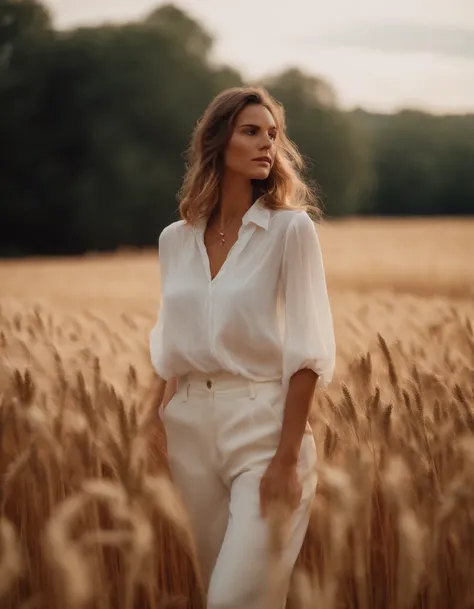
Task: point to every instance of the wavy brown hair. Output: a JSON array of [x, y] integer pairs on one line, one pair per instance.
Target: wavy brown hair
[[283, 189]]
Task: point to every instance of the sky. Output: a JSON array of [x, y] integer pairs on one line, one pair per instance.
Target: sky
[[382, 55]]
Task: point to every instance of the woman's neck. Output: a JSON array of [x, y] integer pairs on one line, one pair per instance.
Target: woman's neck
[[236, 196]]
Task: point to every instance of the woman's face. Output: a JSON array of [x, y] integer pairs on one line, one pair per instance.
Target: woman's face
[[252, 147]]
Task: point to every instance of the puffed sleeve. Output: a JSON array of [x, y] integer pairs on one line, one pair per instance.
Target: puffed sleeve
[[308, 340], [156, 345]]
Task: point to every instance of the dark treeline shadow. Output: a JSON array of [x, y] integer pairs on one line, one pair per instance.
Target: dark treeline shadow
[[94, 124]]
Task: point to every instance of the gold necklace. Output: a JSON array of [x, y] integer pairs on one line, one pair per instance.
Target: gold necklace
[[221, 232]]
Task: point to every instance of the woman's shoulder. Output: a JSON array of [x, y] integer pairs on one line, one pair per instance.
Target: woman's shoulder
[[170, 237], [173, 227], [171, 231], [282, 219]]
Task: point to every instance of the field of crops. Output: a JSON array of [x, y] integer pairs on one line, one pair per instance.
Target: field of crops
[[89, 517]]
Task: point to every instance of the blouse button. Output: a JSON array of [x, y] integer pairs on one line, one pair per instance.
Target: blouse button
[[209, 384]]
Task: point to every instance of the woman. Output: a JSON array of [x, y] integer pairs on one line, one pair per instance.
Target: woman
[[243, 337]]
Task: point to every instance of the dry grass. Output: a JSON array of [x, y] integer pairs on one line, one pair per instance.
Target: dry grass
[[88, 516]]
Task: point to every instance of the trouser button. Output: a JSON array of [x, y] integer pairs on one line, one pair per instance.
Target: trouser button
[[209, 384]]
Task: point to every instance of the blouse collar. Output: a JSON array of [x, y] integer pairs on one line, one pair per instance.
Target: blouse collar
[[257, 214]]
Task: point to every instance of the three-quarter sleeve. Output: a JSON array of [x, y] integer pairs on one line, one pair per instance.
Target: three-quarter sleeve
[[308, 340], [156, 345]]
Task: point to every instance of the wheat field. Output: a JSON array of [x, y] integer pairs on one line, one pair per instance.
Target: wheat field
[[89, 516]]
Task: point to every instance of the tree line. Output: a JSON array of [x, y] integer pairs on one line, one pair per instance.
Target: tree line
[[94, 122]]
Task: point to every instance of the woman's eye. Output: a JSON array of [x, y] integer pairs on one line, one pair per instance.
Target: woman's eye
[[252, 131]]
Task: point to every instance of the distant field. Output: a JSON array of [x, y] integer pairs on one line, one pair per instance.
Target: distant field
[[418, 256], [394, 511]]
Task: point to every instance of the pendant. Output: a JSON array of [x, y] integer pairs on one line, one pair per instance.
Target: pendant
[[222, 238]]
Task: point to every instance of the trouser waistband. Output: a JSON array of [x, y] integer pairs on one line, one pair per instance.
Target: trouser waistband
[[221, 381]]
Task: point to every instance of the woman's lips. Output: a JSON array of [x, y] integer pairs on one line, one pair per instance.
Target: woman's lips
[[263, 159]]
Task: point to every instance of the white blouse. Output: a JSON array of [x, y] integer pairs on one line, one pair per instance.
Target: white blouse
[[264, 316]]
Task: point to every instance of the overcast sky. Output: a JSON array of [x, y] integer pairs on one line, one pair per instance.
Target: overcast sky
[[380, 54]]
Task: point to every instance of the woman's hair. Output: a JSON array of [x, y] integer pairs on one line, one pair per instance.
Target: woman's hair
[[283, 189]]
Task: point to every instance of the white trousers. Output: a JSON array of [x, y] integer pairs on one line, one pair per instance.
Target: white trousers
[[222, 431]]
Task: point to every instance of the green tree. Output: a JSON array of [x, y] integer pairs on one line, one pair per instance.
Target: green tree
[[20, 20], [96, 121], [423, 163], [187, 32]]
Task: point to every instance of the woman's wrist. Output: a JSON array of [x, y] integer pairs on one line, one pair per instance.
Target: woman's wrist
[[286, 457]]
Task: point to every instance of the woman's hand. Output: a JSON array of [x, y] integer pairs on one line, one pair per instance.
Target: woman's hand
[[170, 389], [280, 484]]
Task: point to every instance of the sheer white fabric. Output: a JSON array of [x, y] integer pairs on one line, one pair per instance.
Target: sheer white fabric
[[265, 315]]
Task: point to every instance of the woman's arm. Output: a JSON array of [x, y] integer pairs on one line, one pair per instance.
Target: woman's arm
[[170, 389], [165, 391], [299, 399], [308, 355], [309, 345]]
